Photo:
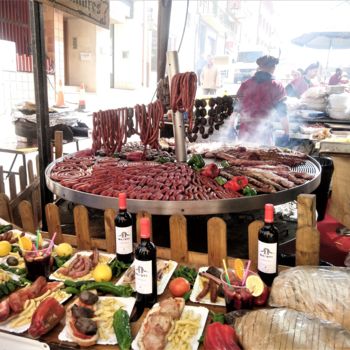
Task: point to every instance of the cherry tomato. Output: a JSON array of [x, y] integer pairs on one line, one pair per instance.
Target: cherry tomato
[[179, 286]]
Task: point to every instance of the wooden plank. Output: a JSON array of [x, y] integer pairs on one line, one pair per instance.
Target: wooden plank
[[2, 183], [217, 241], [26, 194], [82, 230], [139, 215], [27, 218], [37, 165], [13, 189], [253, 231], [307, 236], [5, 211], [30, 171], [54, 222], [109, 216], [178, 238], [58, 144], [22, 177], [306, 210]]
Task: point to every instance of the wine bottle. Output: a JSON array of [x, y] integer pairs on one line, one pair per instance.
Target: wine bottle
[[146, 267], [123, 232], [267, 247]]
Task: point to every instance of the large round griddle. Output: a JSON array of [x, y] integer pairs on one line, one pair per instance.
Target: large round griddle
[[190, 207]]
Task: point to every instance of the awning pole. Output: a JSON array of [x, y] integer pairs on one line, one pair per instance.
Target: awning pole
[[41, 100]]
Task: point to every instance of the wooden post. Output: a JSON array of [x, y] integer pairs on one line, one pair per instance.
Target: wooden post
[[109, 216], [142, 214], [13, 189], [178, 238], [54, 222], [30, 171], [253, 231], [26, 213], [217, 241], [2, 184], [22, 178], [5, 211], [58, 144], [307, 236], [82, 229]]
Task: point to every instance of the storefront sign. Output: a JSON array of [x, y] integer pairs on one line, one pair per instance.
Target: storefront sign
[[95, 11]]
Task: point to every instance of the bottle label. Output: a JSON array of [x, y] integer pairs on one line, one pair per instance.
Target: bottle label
[[267, 257], [143, 276], [123, 236]]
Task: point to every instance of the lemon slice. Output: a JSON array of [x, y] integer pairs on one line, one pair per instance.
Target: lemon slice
[[239, 268], [26, 243], [255, 285]]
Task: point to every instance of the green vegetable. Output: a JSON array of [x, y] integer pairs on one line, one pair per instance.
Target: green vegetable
[[217, 317], [5, 228], [196, 162], [15, 249], [109, 287], [187, 295], [4, 288], [118, 267], [186, 272], [249, 191], [15, 270], [11, 286], [225, 164], [60, 260], [77, 285], [72, 290], [220, 180], [121, 325], [163, 160]]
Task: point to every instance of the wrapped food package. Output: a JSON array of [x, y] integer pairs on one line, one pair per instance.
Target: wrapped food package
[[322, 292], [285, 329]]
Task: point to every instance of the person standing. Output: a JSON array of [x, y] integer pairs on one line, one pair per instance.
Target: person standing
[[259, 98], [209, 77], [336, 78]]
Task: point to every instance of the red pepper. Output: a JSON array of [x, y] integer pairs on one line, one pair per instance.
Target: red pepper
[[211, 170], [220, 336], [237, 183]]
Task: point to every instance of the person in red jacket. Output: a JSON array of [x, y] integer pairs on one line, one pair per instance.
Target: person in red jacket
[[259, 99]]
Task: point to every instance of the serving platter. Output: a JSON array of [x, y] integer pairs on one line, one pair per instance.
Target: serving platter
[[126, 303]]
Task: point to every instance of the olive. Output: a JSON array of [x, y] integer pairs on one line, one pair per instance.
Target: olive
[[204, 121], [210, 130], [194, 137], [197, 121], [211, 121], [202, 129], [219, 100], [211, 113], [198, 103], [205, 136], [88, 298], [218, 109], [204, 103], [197, 113], [224, 115], [225, 99], [217, 126], [195, 129], [12, 261]]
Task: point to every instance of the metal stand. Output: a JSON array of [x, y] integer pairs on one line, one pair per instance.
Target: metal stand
[[178, 124], [41, 100]]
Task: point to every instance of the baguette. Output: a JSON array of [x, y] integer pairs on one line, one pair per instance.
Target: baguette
[[159, 323]]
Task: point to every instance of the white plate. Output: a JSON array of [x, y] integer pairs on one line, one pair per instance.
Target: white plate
[[107, 259], [197, 310], [197, 287], [10, 341], [5, 326], [161, 285], [112, 340], [11, 275]]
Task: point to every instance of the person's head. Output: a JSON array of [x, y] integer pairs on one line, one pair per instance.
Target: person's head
[[267, 63], [210, 60], [338, 72], [312, 70]]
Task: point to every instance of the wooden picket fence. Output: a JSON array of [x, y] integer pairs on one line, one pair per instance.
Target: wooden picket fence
[[307, 236]]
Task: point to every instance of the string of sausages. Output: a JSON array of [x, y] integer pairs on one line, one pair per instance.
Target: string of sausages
[[111, 128], [183, 94]]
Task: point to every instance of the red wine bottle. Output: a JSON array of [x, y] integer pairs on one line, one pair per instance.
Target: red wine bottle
[[267, 247], [146, 267], [123, 232]]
